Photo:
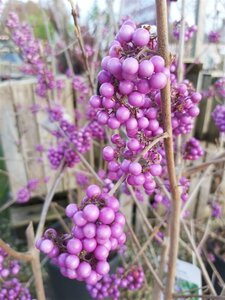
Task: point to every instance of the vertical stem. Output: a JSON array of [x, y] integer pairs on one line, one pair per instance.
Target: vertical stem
[[163, 46], [35, 263], [81, 44]]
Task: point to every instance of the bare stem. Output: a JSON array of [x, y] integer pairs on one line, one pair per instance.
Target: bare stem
[[35, 263], [203, 166], [81, 44], [48, 201], [163, 47], [200, 261], [25, 256], [7, 205], [149, 265]]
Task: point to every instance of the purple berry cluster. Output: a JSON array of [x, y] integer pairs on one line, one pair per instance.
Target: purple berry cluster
[[8, 267], [130, 82], [14, 290], [30, 48], [214, 37], [24, 193], [189, 30], [10, 287], [98, 229], [111, 285], [184, 107], [161, 198], [219, 86], [216, 209], [219, 117], [121, 158], [71, 140], [128, 74], [81, 87], [193, 149]]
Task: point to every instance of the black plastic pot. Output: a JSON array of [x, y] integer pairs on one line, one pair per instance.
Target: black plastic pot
[[66, 289]]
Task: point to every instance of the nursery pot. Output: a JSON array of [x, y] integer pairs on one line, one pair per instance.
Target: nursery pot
[[66, 289]]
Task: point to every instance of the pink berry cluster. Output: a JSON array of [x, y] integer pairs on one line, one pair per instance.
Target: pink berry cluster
[[8, 267], [219, 117], [96, 129], [189, 30], [30, 48], [216, 89], [14, 290], [184, 107], [219, 86], [111, 285], [81, 87], [214, 37], [193, 149], [161, 198], [216, 209], [121, 158], [128, 74], [130, 83], [98, 229], [82, 180], [24, 193], [70, 140]]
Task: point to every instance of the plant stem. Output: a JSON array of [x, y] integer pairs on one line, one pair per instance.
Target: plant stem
[[35, 263], [81, 44], [48, 201], [163, 47], [24, 256], [200, 261], [149, 265]]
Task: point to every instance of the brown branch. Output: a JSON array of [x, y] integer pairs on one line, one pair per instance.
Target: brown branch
[[81, 44], [163, 47], [146, 244], [24, 256], [201, 167], [35, 263]]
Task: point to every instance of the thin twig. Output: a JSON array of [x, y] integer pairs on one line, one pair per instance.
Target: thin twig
[[201, 167], [81, 44], [59, 217], [200, 261], [149, 265], [47, 202], [7, 205], [198, 185]]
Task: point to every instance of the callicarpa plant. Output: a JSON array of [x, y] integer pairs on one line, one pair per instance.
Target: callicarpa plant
[[129, 137]]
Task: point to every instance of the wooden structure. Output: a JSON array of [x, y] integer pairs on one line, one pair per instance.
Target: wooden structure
[[205, 128], [21, 131]]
